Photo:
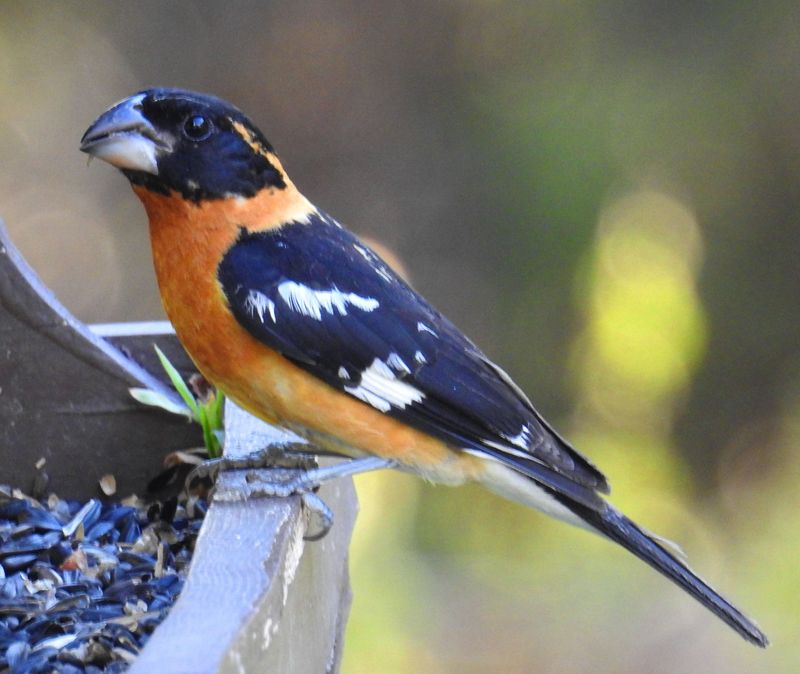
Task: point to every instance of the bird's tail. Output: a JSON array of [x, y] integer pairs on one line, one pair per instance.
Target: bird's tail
[[613, 524], [529, 488]]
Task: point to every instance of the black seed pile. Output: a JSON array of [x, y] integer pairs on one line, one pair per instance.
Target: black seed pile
[[83, 585]]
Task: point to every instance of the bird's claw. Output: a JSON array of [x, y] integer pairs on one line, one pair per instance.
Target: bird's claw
[[319, 517], [279, 482], [287, 475], [290, 456], [277, 471], [282, 483]]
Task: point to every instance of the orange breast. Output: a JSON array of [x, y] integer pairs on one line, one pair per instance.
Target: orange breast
[[188, 241]]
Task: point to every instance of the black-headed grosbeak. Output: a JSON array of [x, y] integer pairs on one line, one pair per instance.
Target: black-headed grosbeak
[[305, 326]]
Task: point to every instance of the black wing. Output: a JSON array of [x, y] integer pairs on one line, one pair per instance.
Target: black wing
[[328, 303]]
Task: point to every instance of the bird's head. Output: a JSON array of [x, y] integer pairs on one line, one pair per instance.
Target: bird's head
[[174, 141]]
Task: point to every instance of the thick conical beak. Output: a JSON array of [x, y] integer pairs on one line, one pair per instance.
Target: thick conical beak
[[124, 138]]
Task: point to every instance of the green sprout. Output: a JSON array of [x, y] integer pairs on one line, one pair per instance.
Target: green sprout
[[207, 412]]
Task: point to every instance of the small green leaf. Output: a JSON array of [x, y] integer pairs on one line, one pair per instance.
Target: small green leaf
[[178, 383], [155, 399], [208, 414]]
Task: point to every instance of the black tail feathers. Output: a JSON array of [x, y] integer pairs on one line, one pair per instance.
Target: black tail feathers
[[620, 529]]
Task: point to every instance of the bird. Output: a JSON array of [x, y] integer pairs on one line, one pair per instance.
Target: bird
[[305, 326]]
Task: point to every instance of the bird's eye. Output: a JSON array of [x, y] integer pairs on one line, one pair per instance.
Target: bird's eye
[[197, 127]]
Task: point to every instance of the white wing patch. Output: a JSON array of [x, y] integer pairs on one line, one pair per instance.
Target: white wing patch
[[257, 303], [521, 439], [313, 303], [397, 364], [422, 327], [420, 357], [381, 388], [343, 373]]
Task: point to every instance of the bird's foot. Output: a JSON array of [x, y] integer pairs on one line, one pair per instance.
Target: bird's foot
[[288, 456], [278, 474]]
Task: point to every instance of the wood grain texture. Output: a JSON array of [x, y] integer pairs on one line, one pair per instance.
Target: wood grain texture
[[64, 394], [259, 598]]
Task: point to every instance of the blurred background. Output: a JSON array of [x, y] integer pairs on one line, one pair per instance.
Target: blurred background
[[605, 196]]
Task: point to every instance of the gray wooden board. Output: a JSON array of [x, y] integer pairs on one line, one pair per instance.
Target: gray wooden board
[[64, 394], [258, 597]]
